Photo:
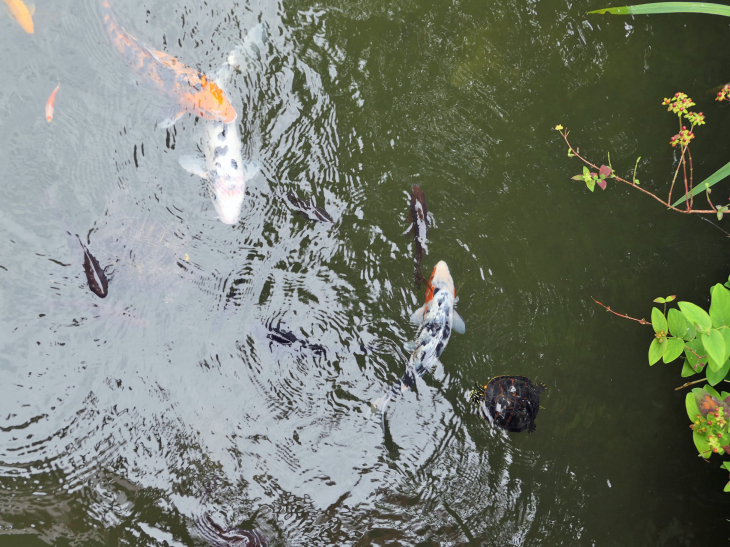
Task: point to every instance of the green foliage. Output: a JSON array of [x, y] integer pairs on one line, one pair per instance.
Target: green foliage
[[591, 179], [704, 339], [668, 7], [694, 119]]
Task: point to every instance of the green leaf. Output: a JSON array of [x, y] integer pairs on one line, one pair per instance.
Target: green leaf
[[727, 488], [658, 321], [699, 349], [691, 404], [590, 184], [668, 7], [670, 298], [656, 350], [718, 175], [715, 346], [678, 326], [695, 315], [726, 465], [675, 347], [703, 447], [659, 300], [726, 336], [577, 177], [720, 306], [711, 391], [715, 377], [687, 370]]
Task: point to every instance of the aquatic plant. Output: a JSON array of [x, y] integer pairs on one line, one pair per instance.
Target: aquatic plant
[[678, 105], [704, 339], [724, 94]]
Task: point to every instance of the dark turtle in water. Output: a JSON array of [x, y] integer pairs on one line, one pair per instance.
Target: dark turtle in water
[[510, 402]]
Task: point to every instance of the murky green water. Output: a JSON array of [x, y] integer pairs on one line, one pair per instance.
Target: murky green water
[[117, 414]]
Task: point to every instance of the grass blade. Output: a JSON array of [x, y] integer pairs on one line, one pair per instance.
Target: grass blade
[[714, 178], [668, 7]]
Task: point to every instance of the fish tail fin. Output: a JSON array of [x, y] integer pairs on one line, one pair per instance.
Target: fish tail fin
[[250, 49], [379, 404]]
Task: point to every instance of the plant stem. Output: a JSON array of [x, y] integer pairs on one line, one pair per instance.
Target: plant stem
[[674, 179], [686, 187], [691, 182], [690, 383], [608, 308]]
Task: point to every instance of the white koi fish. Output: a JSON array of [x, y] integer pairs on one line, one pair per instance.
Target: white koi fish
[[223, 165], [436, 318]]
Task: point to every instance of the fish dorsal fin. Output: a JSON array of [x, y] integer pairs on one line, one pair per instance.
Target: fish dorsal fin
[[458, 325]]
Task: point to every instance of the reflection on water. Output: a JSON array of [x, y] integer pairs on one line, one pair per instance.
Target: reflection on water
[[228, 372]]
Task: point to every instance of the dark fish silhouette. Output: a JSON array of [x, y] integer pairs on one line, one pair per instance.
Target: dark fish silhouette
[[418, 216], [233, 537], [308, 209], [287, 338], [98, 282]]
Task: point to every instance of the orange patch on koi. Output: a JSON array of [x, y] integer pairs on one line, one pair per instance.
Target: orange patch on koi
[[21, 14], [189, 89]]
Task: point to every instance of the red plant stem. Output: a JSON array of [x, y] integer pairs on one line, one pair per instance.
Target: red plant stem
[[608, 308], [686, 187], [639, 188], [691, 181], [674, 179]]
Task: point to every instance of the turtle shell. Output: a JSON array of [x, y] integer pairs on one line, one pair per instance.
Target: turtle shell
[[509, 402]]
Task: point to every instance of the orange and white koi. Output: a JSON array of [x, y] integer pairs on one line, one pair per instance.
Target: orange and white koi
[[22, 14], [189, 90], [50, 103], [436, 319]]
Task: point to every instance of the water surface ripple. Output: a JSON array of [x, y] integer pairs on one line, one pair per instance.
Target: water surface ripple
[[229, 370]]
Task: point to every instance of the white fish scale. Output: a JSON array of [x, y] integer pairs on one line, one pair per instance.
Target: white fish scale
[[223, 158], [434, 333]]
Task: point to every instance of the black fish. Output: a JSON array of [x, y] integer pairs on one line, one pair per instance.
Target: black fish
[[233, 537], [419, 228], [308, 209], [98, 283], [287, 338]]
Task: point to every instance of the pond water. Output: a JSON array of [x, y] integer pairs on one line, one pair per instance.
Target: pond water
[[122, 419]]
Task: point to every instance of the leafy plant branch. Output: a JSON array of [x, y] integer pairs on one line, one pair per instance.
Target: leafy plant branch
[[679, 104]]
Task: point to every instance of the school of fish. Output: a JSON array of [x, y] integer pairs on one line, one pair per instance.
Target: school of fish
[[223, 165]]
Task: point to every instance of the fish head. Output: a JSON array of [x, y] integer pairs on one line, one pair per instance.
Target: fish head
[[440, 280], [227, 199], [211, 102]]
